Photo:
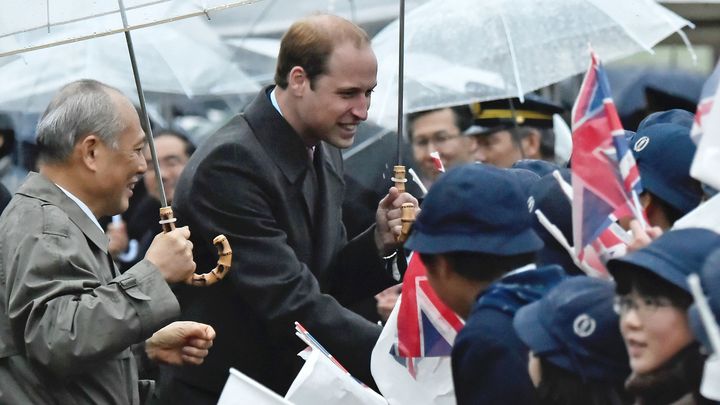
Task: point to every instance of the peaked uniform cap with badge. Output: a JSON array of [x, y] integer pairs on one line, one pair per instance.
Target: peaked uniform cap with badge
[[575, 328], [496, 115]]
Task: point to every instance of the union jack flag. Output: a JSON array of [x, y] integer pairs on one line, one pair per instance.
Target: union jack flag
[[426, 326], [605, 178], [707, 98]]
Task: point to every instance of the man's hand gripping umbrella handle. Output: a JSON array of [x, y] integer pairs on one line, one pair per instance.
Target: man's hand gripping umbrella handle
[[167, 220]]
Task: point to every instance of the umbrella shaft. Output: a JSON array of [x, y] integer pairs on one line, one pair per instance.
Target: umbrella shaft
[[141, 97], [401, 79]]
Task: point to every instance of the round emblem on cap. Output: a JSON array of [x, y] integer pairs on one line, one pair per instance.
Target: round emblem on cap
[[641, 143], [584, 325], [531, 203]]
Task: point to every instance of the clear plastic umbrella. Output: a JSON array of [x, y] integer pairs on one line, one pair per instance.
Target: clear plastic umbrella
[[526, 44], [27, 25], [163, 52], [31, 24]]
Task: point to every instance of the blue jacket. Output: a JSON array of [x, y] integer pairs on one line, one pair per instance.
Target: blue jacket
[[489, 362]]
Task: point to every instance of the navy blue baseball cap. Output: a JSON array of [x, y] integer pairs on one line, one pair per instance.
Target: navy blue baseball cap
[[475, 208], [664, 152], [575, 328], [526, 178], [672, 257], [537, 166], [710, 280]]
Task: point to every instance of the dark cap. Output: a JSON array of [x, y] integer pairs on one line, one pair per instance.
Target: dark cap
[[575, 328], [672, 257], [526, 178], [475, 208], [710, 280], [664, 152], [495, 115], [539, 167], [549, 197]]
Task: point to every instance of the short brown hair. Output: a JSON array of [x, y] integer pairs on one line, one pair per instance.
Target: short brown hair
[[309, 42]]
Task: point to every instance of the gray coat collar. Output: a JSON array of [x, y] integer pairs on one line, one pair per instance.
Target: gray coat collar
[[40, 187]]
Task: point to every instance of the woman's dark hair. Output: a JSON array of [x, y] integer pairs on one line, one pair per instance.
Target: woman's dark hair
[[561, 387], [649, 284], [482, 266]]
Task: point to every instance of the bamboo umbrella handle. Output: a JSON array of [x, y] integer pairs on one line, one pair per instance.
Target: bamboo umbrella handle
[[167, 220], [408, 218], [408, 210]]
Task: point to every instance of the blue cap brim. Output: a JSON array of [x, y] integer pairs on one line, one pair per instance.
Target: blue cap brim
[[506, 245], [649, 260], [530, 329]]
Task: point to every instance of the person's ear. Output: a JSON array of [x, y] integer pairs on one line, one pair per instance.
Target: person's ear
[[443, 268], [88, 150], [297, 81], [645, 200], [531, 145]]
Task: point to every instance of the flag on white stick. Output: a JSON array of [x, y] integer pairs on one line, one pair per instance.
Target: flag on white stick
[[432, 383], [706, 164], [320, 381], [241, 389], [705, 215]]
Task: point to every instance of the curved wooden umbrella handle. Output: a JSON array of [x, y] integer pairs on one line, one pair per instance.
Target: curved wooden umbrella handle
[[167, 220], [223, 265]]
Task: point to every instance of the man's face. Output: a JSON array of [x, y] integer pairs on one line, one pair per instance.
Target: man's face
[[498, 149], [120, 168], [437, 132], [340, 99], [172, 156]]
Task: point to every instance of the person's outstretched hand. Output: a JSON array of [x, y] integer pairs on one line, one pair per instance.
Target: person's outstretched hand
[[180, 343]]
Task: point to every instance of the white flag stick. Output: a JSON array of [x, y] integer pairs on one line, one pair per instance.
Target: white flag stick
[[708, 319], [558, 235]]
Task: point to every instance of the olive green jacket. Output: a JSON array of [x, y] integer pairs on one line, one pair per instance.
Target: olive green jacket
[[67, 318]]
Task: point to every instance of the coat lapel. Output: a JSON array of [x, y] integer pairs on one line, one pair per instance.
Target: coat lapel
[[38, 186], [284, 147], [329, 212]]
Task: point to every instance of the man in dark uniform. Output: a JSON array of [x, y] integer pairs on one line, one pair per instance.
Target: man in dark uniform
[[271, 181], [475, 237]]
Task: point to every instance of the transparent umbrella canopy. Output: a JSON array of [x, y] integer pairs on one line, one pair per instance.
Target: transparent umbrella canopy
[[163, 52], [30, 24], [27, 25], [526, 44]]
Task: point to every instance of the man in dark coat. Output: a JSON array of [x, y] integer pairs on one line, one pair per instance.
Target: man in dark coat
[[475, 237], [271, 181]]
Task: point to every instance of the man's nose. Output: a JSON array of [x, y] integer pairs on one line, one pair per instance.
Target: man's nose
[[361, 107]]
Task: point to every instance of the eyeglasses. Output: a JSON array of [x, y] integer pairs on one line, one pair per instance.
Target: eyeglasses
[[623, 304], [438, 139]]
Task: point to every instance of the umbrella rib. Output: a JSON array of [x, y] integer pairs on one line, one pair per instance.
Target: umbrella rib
[[511, 48], [625, 29], [74, 20], [203, 12]]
